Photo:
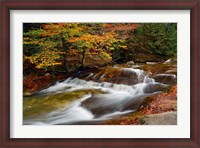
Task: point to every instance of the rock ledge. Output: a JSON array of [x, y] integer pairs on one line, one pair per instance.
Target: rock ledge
[[167, 118]]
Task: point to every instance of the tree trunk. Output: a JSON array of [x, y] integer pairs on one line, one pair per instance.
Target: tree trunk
[[83, 58], [65, 55]]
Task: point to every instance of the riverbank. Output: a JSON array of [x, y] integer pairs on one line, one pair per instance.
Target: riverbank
[[158, 109], [33, 83]]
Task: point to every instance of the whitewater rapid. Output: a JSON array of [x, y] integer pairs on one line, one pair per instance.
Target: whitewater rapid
[[116, 99]]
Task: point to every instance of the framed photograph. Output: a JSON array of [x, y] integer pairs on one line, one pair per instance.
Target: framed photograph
[[100, 73]]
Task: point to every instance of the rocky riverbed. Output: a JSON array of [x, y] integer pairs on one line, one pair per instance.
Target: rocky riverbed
[[122, 94]]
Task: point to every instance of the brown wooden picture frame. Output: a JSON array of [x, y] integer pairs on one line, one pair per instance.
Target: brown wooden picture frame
[[7, 6]]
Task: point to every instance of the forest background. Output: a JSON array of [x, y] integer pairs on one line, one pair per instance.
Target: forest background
[[59, 50]]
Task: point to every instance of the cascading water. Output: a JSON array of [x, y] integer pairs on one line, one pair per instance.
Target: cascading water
[[114, 98]]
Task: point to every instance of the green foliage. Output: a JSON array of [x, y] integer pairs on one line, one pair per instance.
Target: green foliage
[[159, 39]]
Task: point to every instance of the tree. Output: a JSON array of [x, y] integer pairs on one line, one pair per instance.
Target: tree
[[50, 44], [158, 39], [120, 52], [54, 44], [88, 43]]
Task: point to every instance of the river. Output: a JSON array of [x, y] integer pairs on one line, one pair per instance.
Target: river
[[97, 96]]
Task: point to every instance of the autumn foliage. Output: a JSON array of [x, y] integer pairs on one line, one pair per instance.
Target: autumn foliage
[[34, 83], [54, 44], [56, 51], [162, 102]]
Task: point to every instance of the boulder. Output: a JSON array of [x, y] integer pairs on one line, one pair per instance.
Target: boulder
[[153, 87], [27, 94], [167, 118], [169, 61], [151, 63], [103, 104], [130, 63], [169, 79], [47, 74], [171, 71]]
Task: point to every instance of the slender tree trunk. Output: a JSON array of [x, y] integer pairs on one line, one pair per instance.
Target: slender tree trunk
[[83, 58], [65, 55]]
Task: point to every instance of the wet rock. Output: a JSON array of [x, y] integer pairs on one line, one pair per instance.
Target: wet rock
[[151, 63], [135, 66], [167, 118], [27, 94], [158, 68], [125, 80], [169, 61], [97, 106], [130, 63], [100, 105], [47, 74], [128, 76], [171, 71], [41, 104], [155, 87], [169, 79]]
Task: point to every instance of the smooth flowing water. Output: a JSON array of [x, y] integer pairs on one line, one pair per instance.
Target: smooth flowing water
[[106, 94]]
